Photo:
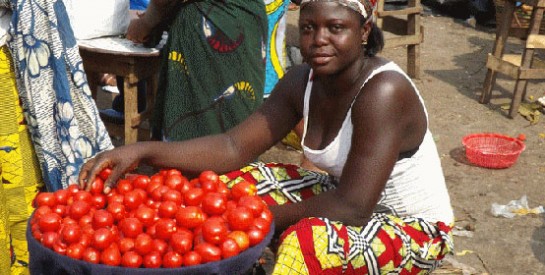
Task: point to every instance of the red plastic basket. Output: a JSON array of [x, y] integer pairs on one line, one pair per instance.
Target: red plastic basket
[[492, 150]]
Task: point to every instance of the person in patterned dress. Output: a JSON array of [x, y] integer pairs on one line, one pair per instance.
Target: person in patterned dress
[[381, 206], [213, 72]]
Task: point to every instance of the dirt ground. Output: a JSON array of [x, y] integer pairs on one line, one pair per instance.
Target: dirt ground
[[453, 68], [453, 57]]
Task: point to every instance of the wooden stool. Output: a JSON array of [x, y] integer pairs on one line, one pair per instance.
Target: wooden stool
[[520, 67], [133, 66], [413, 36]]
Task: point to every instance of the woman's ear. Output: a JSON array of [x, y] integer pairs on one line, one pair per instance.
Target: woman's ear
[[365, 30]]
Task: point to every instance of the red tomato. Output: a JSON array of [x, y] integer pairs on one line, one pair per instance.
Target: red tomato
[[73, 189], [262, 225], [254, 203], [86, 220], [208, 252], [111, 256], [83, 196], [243, 188], [229, 248], [193, 196], [190, 217], [91, 255], [164, 228], [59, 209], [172, 259], [60, 247], [85, 239], [45, 198], [71, 233], [99, 201], [167, 209], [174, 182], [143, 244], [209, 186], [61, 196], [131, 259], [154, 183], [240, 218], [223, 189], [158, 192], [102, 238], [124, 186], [256, 236], [49, 238], [267, 215], [102, 218], [241, 238], [113, 196], [97, 186], [79, 208], [214, 231], [132, 199], [192, 258], [104, 174], [181, 241], [40, 211], [49, 222], [160, 246], [141, 182], [214, 204], [173, 195], [146, 215], [75, 251], [208, 176], [153, 260], [126, 244], [117, 210], [131, 227]]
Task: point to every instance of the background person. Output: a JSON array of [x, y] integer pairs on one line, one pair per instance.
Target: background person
[[213, 72], [383, 206]]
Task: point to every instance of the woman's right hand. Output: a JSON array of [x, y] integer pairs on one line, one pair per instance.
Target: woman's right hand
[[139, 30], [121, 160]]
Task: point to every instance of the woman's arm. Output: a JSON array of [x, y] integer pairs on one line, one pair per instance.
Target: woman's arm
[[388, 119], [158, 13], [221, 153]]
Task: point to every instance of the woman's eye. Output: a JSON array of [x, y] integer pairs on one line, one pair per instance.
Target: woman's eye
[[306, 27], [336, 28]]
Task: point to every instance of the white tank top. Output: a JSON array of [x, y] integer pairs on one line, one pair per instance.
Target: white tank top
[[416, 186]]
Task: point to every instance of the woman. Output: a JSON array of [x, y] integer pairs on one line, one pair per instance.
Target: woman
[[213, 73], [383, 206], [49, 123]]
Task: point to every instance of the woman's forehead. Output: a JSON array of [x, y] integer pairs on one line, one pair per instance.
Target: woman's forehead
[[363, 7]]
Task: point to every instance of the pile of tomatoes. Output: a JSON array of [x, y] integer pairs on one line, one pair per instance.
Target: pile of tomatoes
[[163, 220]]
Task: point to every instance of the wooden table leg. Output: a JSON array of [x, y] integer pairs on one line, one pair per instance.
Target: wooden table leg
[[502, 33], [131, 108]]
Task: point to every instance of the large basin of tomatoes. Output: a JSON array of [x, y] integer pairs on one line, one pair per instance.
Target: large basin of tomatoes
[[163, 222]]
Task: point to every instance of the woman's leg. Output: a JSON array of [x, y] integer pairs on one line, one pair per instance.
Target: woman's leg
[[319, 246]]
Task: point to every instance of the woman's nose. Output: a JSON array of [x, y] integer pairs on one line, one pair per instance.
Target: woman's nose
[[320, 36]]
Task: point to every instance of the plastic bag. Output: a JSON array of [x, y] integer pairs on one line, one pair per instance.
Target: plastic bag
[[97, 18], [515, 207]]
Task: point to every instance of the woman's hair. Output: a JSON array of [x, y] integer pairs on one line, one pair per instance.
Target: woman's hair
[[375, 40]]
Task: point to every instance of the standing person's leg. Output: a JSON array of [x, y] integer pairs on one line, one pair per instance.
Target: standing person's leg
[[21, 174]]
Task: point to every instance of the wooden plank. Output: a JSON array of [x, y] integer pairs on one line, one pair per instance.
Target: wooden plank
[[407, 11], [502, 66], [397, 41], [535, 41]]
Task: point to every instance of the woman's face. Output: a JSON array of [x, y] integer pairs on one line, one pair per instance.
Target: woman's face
[[330, 37]]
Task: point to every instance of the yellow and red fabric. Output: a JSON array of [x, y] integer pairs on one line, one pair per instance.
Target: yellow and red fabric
[[401, 245]]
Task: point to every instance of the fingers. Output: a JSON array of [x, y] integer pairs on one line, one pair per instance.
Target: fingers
[[111, 181], [84, 173]]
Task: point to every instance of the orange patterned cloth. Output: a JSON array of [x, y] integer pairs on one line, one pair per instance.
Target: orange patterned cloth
[[400, 245]]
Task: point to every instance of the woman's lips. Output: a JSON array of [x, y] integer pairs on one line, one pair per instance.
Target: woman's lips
[[321, 59]]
